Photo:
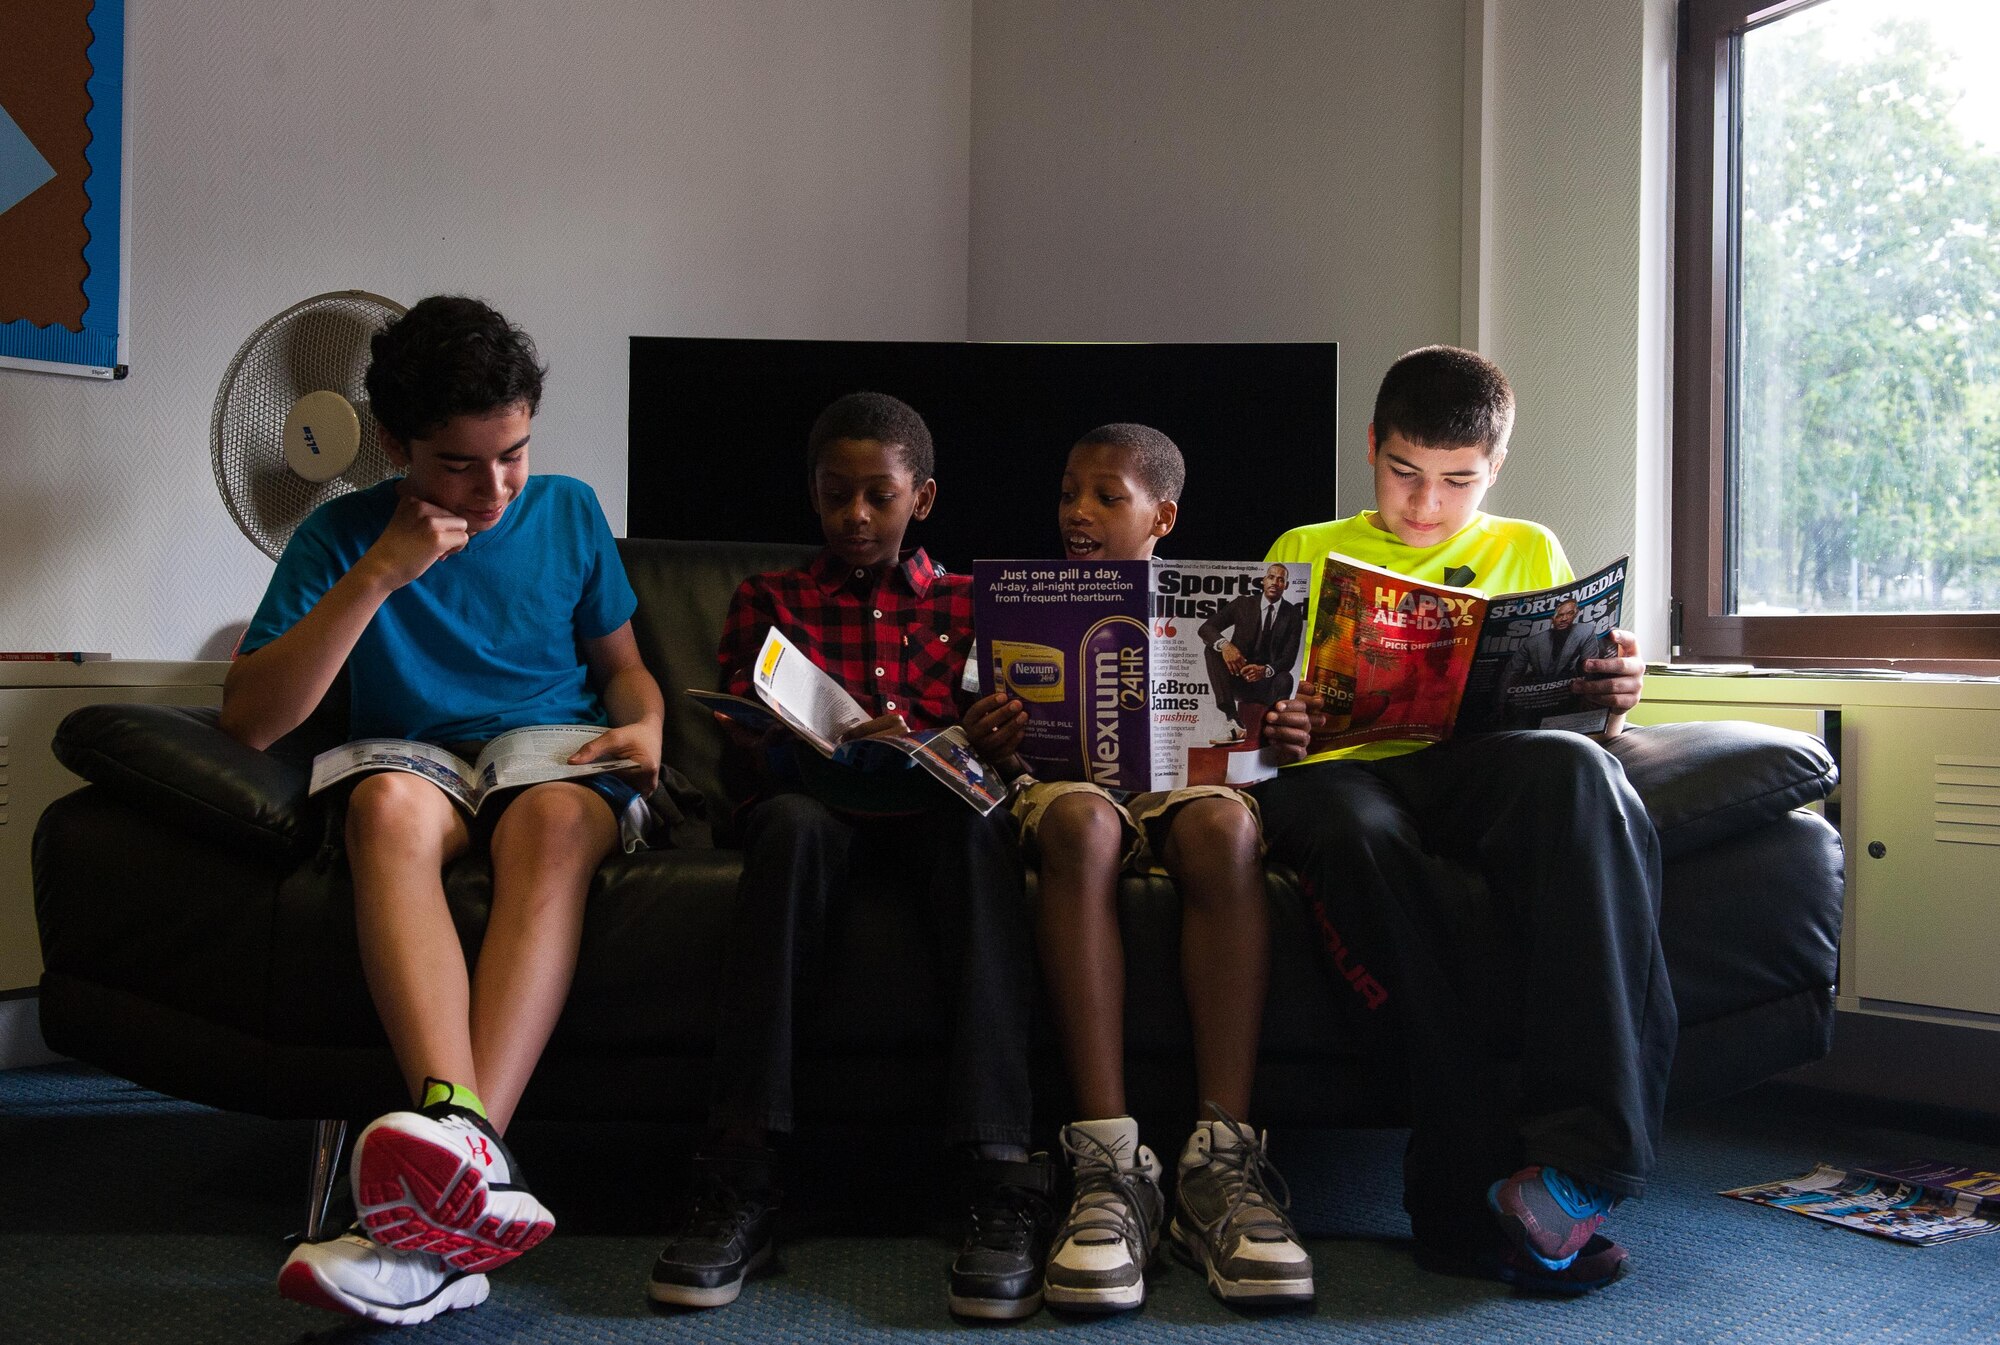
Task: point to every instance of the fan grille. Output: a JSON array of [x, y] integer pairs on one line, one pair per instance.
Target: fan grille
[[318, 345]]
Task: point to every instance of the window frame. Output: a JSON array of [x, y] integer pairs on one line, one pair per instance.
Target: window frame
[[1708, 125]]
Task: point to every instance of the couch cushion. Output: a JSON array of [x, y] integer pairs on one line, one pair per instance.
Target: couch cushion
[[173, 762], [1705, 782], [684, 590]]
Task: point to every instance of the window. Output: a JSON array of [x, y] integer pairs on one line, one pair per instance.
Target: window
[[1837, 342]]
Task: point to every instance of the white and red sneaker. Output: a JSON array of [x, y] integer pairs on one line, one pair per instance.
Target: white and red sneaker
[[439, 1180], [354, 1275]]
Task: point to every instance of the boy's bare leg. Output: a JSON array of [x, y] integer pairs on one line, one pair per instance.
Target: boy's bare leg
[[545, 848], [401, 832], [1225, 944], [1082, 951]]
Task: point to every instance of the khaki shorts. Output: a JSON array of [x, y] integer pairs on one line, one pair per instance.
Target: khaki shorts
[[1144, 817]]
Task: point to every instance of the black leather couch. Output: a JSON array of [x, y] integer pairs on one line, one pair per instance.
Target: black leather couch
[[198, 935]]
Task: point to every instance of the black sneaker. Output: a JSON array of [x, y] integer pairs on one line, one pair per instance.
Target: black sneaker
[[725, 1236], [1011, 1215]]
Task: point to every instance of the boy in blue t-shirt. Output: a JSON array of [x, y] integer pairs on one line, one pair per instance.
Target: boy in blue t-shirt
[[465, 598]]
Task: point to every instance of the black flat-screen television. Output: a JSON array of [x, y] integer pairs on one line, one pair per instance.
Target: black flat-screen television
[[718, 434]]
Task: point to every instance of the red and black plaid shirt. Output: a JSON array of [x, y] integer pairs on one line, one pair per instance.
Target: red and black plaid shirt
[[897, 637]]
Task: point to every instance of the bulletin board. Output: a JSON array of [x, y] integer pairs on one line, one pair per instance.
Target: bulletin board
[[63, 244]]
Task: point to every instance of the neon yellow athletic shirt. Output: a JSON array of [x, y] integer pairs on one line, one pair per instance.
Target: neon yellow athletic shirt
[[1489, 554]]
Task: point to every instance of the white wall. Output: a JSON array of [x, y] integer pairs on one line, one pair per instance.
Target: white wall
[[657, 167], [923, 169], [1576, 272], [1275, 170], [1489, 172]]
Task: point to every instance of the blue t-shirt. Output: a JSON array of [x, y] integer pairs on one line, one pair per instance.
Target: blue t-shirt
[[485, 640]]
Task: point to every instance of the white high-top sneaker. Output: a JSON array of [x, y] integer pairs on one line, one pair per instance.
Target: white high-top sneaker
[[439, 1180], [1231, 1225], [1099, 1258], [351, 1274]]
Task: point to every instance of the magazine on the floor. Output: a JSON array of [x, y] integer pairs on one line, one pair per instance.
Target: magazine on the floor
[[797, 694], [523, 756], [1142, 674], [1396, 657], [1921, 1202]]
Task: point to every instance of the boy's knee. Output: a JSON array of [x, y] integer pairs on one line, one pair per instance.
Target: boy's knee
[[551, 814], [786, 817], [1080, 828], [395, 803], [1219, 829], [1567, 765]]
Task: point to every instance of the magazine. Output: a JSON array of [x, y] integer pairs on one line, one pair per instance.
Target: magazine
[[797, 694], [523, 756], [1142, 674], [1396, 657], [1921, 1202]]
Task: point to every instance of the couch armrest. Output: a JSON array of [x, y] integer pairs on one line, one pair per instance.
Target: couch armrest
[[174, 762], [1705, 782]]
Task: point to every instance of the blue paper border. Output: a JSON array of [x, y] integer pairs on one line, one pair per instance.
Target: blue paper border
[[94, 348]]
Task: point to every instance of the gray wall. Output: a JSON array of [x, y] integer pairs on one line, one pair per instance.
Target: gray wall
[[698, 167], [1385, 175], [1156, 170]]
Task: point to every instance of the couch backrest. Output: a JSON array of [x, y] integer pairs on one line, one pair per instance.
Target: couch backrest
[[684, 590]]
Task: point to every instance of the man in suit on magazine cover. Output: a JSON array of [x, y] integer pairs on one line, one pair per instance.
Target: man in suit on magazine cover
[[1252, 664]]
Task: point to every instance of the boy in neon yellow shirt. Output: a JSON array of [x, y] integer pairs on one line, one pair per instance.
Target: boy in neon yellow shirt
[[1534, 1022]]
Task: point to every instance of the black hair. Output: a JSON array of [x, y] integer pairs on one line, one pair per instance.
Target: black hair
[[449, 356], [878, 416], [1445, 397], [1156, 459]]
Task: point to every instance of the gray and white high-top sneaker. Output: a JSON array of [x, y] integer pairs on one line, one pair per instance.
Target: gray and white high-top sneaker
[[1099, 1258], [439, 1180], [1229, 1222]]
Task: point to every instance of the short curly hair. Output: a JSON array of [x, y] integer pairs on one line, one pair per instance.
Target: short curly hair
[[877, 416], [450, 355], [1156, 459]]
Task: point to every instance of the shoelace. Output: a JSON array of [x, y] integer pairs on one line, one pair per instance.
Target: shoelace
[[1003, 1219], [719, 1212], [1579, 1199], [1249, 1176], [1104, 1189]]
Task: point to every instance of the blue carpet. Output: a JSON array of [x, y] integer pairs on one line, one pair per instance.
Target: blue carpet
[[132, 1217]]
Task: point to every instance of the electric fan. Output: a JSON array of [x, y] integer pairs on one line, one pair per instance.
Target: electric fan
[[292, 428]]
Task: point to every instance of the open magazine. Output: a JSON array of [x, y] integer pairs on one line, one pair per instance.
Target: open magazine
[[1923, 1202], [523, 756], [800, 696], [1396, 657], [1142, 674]]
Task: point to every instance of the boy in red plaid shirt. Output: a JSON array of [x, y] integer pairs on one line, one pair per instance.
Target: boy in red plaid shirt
[[895, 631]]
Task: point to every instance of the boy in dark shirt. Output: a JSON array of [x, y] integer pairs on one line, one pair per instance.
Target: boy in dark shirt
[[895, 631]]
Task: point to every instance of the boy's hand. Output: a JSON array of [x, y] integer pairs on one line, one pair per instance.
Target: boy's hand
[[1253, 672], [1232, 658], [1289, 727], [637, 743], [995, 726], [746, 739], [418, 536], [1614, 683], [880, 726]]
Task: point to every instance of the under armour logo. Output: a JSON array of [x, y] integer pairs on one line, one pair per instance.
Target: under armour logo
[[477, 1144]]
